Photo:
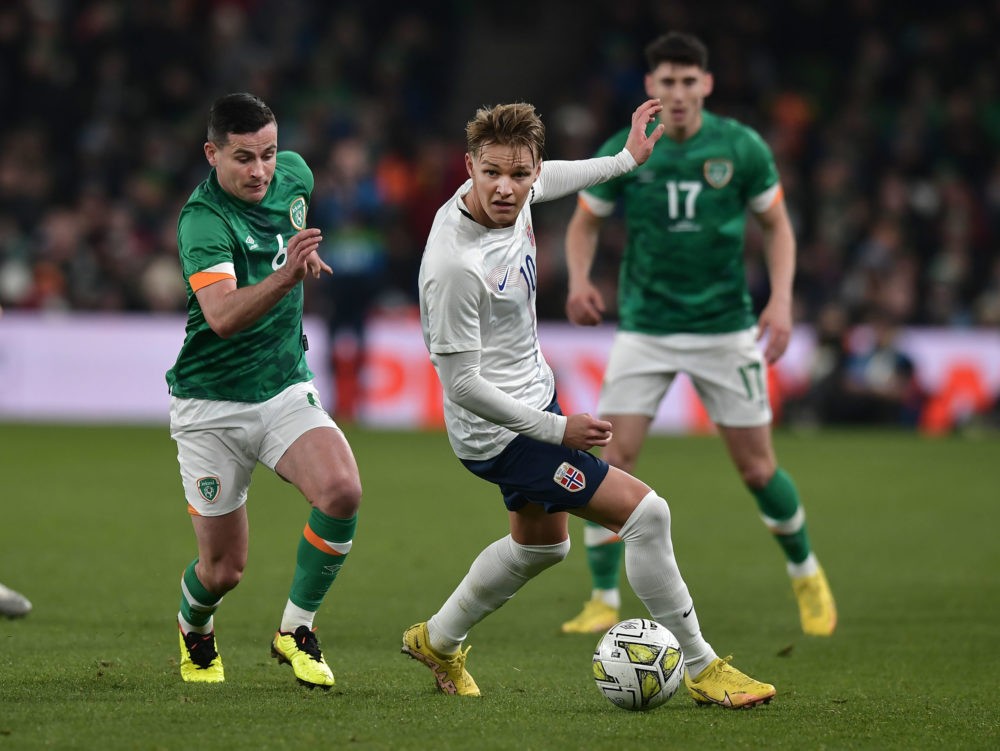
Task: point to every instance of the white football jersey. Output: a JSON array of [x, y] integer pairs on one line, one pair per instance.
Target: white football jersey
[[477, 293]]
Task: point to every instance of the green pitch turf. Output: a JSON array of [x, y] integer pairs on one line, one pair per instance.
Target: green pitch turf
[[93, 529]]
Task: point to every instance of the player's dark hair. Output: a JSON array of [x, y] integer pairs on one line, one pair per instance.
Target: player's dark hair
[[237, 113], [677, 47], [516, 125]]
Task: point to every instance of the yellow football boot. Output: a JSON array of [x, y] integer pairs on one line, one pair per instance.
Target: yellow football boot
[[817, 610], [449, 670], [595, 618], [200, 660], [725, 686], [301, 650]]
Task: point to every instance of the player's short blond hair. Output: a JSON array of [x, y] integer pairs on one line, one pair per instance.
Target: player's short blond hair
[[515, 124]]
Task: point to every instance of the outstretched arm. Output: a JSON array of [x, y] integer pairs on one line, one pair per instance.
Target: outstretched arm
[[560, 178]]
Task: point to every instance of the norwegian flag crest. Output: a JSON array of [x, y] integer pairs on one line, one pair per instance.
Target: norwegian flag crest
[[570, 478]]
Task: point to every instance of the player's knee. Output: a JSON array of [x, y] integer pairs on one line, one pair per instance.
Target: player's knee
[[229, 580], [222, 577], [757, 475], [625, 461], [533, 559], [339, 496], [650, 520]]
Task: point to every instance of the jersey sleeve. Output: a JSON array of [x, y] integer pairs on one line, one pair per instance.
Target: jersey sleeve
[[205, 246], [297, 166], [763, 184], [560, 178], [462, 383], [452, 296]]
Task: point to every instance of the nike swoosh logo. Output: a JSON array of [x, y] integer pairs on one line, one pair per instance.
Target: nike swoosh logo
[[688, 612], [504, 282]]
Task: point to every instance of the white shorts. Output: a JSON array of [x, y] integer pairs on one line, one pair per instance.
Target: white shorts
[[727, 371], [219, 443]]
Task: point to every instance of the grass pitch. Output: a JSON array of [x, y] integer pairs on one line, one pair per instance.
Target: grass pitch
[[93, 529]]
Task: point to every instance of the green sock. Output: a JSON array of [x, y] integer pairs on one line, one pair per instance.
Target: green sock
[[779, 505], [604, 559], [198, 605], [322, 551]]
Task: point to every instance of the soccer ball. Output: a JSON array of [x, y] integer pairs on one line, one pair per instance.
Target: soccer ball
[[638, 664]]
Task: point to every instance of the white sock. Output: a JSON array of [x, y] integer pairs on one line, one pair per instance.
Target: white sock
[[653, 573], [612, 597], [808, 567], [294, 616], [498, 572], [187, 628]]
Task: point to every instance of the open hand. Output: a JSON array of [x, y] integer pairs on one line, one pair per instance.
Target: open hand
[[639, 145]]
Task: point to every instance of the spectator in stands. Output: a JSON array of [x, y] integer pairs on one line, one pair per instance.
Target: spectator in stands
[[871, 381], [871, 131]]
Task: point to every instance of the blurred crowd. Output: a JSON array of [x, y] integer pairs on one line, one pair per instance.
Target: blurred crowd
[[105, 104], [884, 118]]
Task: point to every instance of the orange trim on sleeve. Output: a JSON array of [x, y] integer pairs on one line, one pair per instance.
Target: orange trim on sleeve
[[202, 279], [583, 205], [778, 197], [318, 542]]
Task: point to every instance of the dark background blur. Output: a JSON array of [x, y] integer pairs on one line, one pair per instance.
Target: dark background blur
[[884, 118]]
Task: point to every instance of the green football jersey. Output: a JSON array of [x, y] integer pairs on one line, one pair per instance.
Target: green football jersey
[[685, 212], [217, 232]]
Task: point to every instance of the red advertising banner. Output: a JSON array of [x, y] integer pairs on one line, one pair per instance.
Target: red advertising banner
[[110, 368]]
